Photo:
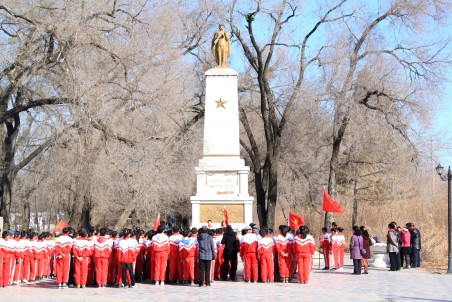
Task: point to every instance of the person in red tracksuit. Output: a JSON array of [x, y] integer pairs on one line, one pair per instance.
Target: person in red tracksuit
[[265, 252], [63, 248], [19, 256], [28, 259], [283, 248], [160, 249], [175, 261], [219, 258], [341, 244], [2, 253], [304, 247], [325, 244], [188, 251], [126, 253], [7, 252], [81, 251], [39, 255], [113, 263], [335, 248], [101, 254], [248, 253], [139, 261]]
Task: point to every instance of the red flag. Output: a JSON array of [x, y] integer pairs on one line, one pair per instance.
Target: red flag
[[226, 216], [330, 205], [295, 221], [157, 222], [61, 225]]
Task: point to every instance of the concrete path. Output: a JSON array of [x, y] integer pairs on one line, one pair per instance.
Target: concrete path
[[378, 285]]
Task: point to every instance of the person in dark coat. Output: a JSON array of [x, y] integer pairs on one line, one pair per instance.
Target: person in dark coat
[[367, 255], [356, 246], [231, 249], [415, 244], [206, 253]]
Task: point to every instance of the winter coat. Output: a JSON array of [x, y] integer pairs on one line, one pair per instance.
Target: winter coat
[[356, 244], [231, 245], [206, 247], [415, 239], [392, 245], [406, 239], [366, 245]]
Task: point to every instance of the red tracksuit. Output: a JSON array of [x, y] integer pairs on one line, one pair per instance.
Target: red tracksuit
[[219, 258], [304, 249], [335, 250], [150, 260], [175, 261], [112, 273], [325, 244], [126, 254], [19, 255], [265, 252], [283, 246], [81, 251], [28, 259], [7, 253], [160, 249], [63, 248], [101, 254], [341, 245], [248, 252], [139, 261], [188, 251], [39, 254]]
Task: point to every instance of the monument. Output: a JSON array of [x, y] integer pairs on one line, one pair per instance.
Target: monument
[[221, 175]]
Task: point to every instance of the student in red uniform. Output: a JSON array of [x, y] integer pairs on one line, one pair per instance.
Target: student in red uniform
[[335, 248], [101, 254], [325, 243], [139, 261], [341, 245], [82, 252], [39, 255], [304, 247], [160, 248], [188, 252], [63, 247], [126, 255], [248, 253], [283, 248], [112, 267], [219, 257], [175, 261], [19, 257], [8, 248], [265, 253]]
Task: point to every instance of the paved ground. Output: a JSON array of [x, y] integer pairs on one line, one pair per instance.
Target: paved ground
[[379, 285]]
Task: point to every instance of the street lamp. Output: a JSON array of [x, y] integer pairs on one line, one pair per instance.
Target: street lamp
[[448, 177]]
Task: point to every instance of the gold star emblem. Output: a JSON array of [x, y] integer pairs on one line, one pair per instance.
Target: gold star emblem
[[221, 103], [296, 221]]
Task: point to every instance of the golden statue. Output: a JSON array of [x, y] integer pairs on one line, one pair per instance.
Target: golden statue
[[221, 46]]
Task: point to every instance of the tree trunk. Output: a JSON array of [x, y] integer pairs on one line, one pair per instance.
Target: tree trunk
[[355, 205], [8, 168], [122, 221], [26, 214], [260, 199]]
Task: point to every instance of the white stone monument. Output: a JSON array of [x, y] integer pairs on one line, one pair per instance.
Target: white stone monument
[[221, 176]]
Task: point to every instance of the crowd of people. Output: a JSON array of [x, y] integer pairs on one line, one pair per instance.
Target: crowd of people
[[102, 257]]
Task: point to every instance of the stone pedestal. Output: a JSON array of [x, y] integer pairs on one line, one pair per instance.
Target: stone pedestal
[[221, 176]]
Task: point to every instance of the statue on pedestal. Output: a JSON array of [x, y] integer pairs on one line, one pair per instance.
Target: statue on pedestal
[[221, 46]]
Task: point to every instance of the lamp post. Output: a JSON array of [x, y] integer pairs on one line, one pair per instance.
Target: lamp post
[[448, 177]]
